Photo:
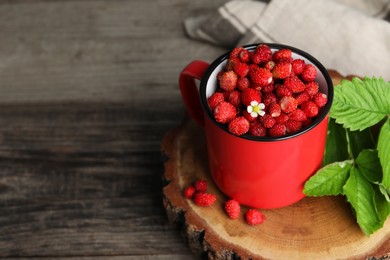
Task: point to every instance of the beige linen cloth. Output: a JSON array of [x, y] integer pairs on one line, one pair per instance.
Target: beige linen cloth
[[351, 36]]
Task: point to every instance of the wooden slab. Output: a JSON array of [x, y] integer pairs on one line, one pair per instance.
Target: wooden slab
[[314, 228]]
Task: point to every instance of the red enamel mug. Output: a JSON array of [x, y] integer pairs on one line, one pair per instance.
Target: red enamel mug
[[260, 172]]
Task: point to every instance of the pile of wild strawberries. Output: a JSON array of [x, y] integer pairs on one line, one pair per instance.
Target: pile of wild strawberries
[[266, 93], [197, 192]]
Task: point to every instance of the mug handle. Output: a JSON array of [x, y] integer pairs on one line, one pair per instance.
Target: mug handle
[[189, 90]]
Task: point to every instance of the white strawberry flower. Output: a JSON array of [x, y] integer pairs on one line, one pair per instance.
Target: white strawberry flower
[[255, 109]]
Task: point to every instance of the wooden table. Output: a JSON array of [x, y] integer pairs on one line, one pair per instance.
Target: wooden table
[[88, 89]]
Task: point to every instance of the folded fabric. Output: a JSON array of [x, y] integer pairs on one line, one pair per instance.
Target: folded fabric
[[352, 37]]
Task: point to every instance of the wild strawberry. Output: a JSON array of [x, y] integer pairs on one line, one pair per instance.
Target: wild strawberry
[[260, 76], [215, 99], [302, 97], [281, 70], [243, 83], [269, 65], [239, 126], [292, 126], [267, 89], [274, 109], [262, 53], [235, 53], [200, 185], [254, 217], [235, 98], [312, 88], [257, 129], [277, 130], [320, 99], [297, 66], [283, 91], [232, 209], [282, 118], [244, 56], [295, 84], [189, 192], [231, 62], [282, 55], [298, 115], [288, 104], [241, 69], [224, 112], [309, 108], [267, 120], [269, 98], [249, 95], [204, 199], [309, 73], [228, 81]]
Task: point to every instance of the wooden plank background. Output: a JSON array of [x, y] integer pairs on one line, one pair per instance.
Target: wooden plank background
[[88, 89]]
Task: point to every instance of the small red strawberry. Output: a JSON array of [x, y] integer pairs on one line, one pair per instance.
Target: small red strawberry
[[309, 108], [228, 80], [260, 76], [189, 192], [249, 95], [269, 88], [283, 91], [292, 126], [224, 112], [262, 54], [309, 73], [297, 66], [215, 99], [200, 185], [295, 84], [232, 209], [277, 130], [241, 69], [282, 118], [243, 83], [235, 53], [257, 129], [239, 126], [204, 199], [320, 99], [274, 109], [281, 70], [267, 120], [269, 98], [282, 55], [298, 115], [231, 62], [235, 98], [269, 65], [254, 217], [244, 56], [302, 97], [312, 88], [288, 104]]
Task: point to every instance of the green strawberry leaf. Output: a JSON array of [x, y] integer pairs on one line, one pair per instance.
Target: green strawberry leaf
[[382, 205], [370, 166], [385, 192], [360, 194], [359, 104], [328, 180], [359, 140], [336, 149], [384, 152]]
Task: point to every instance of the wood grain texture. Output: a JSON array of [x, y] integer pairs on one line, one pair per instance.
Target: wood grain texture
[[314, 228], [87, 90]]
